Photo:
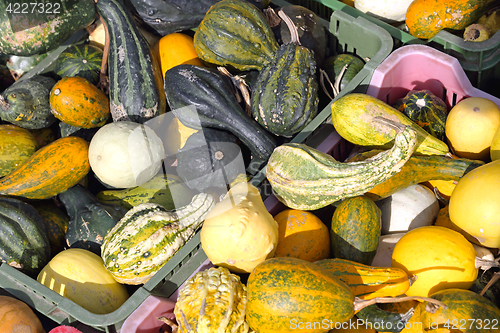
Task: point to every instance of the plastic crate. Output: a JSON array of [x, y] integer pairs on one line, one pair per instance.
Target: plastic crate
[[480, 60]]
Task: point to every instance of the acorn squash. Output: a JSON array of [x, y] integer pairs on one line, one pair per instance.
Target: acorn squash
[[80, 60]]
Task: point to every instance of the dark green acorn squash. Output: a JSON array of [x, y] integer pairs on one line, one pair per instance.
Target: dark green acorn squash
[[210, 158], [26, 103], [311, 30], [24, 241], [207, 100], [135, 80], [236, 34], [333, 67], [80, 60], [41, 29], [90, 219], [425, 109], [285, 97]]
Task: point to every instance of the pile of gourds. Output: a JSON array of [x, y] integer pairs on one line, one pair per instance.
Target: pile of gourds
[[117, 157]]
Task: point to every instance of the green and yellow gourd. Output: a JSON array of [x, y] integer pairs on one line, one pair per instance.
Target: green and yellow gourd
[[352, 116], [236, 34], [80, 60], [305, 178], [134, 257], [135, 84], [285, 95], [16, 146]]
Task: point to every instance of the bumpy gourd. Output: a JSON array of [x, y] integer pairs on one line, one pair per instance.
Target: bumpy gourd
[[219, 295], [148, 236], [305, 178]]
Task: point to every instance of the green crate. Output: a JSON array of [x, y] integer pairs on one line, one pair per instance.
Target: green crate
[[480, 60], [349, 34]]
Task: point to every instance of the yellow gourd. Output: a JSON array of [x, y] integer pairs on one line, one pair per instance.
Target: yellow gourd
[[439, 257], [80, 276], [495, 146], [239, 232], [176, 135], [475, 204]]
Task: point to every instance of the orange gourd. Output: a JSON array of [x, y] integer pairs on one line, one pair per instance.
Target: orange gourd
[[17, 316], [302, 235], [16, 146], [77, 102], [176, 49]]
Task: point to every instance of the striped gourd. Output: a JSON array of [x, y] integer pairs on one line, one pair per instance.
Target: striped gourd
[[365, 281], [148, 236], [80, 60], [305, 178], [16, 146], [285, 97], [135, 81]]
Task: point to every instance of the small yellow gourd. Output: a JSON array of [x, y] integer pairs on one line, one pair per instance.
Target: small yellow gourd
[[239, 232]]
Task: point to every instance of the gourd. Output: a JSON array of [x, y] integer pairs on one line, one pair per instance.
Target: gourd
[[18, 316], [495, 146], [425, 19], [209, 158], [474, 205], [471, 126], [465, 311], [79, 275], [56, 223], [418, 169], [135, 84], [25, 244], [368, 282], [249, 232], [333, 66], [49, 171], [43, 136], [493, 291], [305, 178], [175, 49], [425, 109], [19, 65], [355, 229], [166, 190], [219, 295], [236, 34], [44, 32], [441, 258], [387, 11], [285, 94], [384, 321], [89, 219], [352, 116], [302, 235], [77, 102], [125, 154], [148, 236], [386, 244], [80, 60], [412, 207], [175, 136], [202, 97], [16, 146], [26, 103]]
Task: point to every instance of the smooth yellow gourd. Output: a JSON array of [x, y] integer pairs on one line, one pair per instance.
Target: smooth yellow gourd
[[475, 205], [176, 49], [495, 146], [80, 276], [239, 232], [439, 257]]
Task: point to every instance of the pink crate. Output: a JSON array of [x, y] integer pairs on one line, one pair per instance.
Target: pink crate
[[422, 67]]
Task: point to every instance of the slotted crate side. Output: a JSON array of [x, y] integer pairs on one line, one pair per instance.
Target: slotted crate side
[[480, 60]]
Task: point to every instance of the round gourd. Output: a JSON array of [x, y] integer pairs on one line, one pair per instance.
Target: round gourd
[[425, 109], [209, 158], [386, 244], [16, 146], [333, 66], [302, 235], [125, 154], [80, 60], [355, 229], [175, 49], [391, 11], [475, 204], [17, 316], [441, 258], [409, 208], [80, 276], [77, 102], [471, 126]]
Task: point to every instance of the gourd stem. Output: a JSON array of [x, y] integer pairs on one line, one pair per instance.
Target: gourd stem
[[495, 278], [363, 303], [170, 323], [336, 85], [272, 17], [4, 104], [294, 35], [479, 262], [103, 81], [242, 87]]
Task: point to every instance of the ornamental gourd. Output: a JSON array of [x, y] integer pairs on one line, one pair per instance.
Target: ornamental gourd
[[18, 316], [16, 146], [80, 60]]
